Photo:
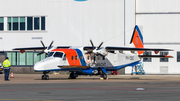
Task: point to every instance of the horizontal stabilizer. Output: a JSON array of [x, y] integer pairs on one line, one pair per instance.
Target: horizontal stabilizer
[[135, 49], [155, 56]]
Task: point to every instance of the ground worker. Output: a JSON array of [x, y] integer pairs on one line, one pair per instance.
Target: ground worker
[[6, 65]]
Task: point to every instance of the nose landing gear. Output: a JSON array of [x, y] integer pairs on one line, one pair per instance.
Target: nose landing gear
[[45, 77]]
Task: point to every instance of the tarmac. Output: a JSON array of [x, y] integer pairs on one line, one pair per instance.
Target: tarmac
[[63, 78], [30, 87]]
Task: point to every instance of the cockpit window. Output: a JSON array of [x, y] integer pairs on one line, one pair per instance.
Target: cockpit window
[[50, 54], [58, 54]]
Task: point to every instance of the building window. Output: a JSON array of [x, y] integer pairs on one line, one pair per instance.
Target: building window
[[147, 59], [163, 59], [21, 59], [178, 56], [1, 23], [36, 23], [9, 24], [29, 23], [24, 59], [15, 23], [42, 23], [36, 57], [22, 23], [29, 58]]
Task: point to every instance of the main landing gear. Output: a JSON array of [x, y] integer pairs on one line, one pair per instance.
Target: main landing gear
[[73, 75], [45, 77], [102, 74]]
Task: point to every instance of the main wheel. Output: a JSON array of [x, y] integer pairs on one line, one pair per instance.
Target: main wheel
[[104, 76], [45, 77], [72, 75]]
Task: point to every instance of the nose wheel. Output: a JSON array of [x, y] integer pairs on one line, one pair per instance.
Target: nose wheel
[[45, 77]]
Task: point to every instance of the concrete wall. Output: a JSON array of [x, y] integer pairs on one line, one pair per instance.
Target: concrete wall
[[159, 23], [20, 70], [69, 22]]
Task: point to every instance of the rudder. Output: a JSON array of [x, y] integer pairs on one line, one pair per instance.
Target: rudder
[[137, 39]]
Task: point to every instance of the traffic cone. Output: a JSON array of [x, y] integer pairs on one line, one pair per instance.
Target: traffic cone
[[12, 75]]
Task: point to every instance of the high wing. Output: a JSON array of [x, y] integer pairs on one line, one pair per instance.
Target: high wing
[[41, 48], [38, 48], [88, 48], [110, 49]]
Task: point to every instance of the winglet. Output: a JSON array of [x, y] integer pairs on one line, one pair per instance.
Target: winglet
[[137, 39]]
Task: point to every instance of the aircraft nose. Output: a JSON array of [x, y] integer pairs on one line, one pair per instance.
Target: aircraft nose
[[39, 66]]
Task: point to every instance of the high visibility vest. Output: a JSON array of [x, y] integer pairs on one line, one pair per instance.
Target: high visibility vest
[[6, 63]]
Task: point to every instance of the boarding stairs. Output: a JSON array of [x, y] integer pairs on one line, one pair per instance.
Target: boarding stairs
[[138, 69]]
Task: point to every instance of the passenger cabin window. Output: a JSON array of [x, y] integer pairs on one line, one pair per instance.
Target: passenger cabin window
[[50, 54], [72, 57], [76, 57], [58, 54]]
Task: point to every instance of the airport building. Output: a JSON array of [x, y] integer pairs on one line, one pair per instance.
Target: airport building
[[24, 23]]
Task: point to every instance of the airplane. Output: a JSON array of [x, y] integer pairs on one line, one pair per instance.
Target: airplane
[[92, 60]]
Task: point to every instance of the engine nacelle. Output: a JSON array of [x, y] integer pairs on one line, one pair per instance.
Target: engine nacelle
[[101, 51]]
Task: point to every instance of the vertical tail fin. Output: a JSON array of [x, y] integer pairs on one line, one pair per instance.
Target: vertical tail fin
[[137, 39]]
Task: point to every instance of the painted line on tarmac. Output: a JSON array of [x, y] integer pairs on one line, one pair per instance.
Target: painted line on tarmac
[[148, 88], [26, 100]]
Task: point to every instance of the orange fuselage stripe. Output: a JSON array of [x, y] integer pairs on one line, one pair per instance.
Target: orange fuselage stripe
[[69, 53]]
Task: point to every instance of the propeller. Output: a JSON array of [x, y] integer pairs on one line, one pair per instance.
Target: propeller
[[95, 50], [46, 49], [92, 44], [99, 46]]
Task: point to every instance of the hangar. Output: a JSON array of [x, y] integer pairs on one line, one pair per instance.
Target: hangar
[[23, 23]]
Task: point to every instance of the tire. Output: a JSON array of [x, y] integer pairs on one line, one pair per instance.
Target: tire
[[46, 77], [42, 77], [104, 76], [72, 75]]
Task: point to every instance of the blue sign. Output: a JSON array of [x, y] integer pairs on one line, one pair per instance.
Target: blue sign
[[80, 0]]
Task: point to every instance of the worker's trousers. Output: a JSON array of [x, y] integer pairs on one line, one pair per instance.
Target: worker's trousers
[[6, 73]]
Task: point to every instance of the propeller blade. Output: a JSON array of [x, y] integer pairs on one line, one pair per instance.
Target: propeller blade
[[43, 44], [40, 53], [100, 45], [50, 45], [92, 44]]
